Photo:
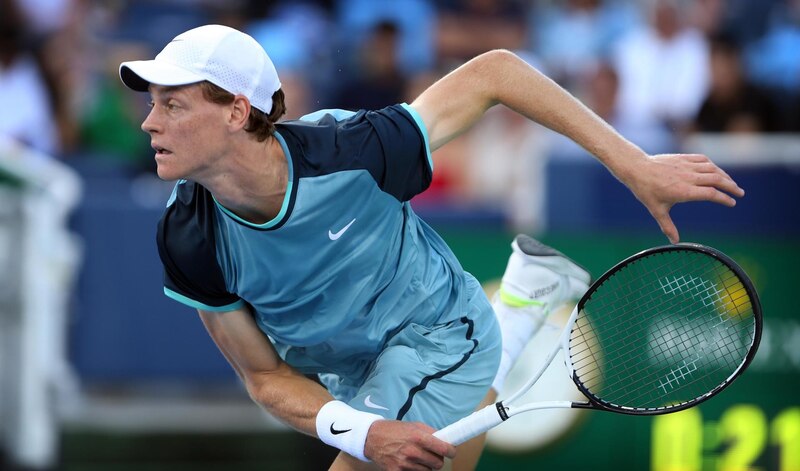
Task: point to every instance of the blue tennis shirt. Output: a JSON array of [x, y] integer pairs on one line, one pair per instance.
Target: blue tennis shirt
[[345, 264]]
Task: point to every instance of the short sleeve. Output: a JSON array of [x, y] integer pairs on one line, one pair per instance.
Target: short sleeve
[[186, 245], [391, 144], [402, 146]]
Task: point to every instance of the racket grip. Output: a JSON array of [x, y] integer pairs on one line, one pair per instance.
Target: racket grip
[[471, 426]]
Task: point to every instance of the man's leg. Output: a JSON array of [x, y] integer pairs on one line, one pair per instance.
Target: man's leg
[[537, 280]]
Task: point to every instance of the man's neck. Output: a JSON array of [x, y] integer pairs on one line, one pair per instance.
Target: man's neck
[[253, 181]]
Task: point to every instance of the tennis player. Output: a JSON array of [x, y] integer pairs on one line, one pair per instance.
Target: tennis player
[[296, 243]]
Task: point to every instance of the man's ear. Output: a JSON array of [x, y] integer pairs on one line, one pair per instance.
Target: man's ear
[[240, 111]]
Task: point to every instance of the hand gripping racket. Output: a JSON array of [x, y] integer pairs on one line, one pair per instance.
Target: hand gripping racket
[[663, 330]]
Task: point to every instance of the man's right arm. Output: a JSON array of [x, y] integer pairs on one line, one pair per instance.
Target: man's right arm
[[296, 400], [273, 384]]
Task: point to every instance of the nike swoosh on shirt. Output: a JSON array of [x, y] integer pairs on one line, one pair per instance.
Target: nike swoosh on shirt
[[335, 235], [368, 402]]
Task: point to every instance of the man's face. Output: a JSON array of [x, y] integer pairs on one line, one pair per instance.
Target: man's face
[[187, 131]]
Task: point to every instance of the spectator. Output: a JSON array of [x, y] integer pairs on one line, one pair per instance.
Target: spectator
[[773, 61], [416, 22], [379, 80], [306, 62], [505, 169], [62, 54], [46, 17], [571, 37], [470, 27], [663, 71], [602, 91], [709, 16], [733, 103], [156, 22], [747, 20], [27, 114]]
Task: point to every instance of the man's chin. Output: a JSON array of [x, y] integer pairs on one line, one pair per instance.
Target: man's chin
[[166, 174]]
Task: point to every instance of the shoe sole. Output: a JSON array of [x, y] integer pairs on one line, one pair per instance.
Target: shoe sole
[[533, 248]]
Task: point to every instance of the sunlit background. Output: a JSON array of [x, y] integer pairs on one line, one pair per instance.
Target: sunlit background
[[101, 372]]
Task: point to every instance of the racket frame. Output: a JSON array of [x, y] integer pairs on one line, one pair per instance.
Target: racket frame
[[596, 403], [492, 415]]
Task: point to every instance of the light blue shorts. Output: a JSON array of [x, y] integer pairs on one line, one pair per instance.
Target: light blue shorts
[[435, 375]]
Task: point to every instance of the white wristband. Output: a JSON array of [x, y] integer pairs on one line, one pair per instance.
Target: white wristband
[[345, 428]]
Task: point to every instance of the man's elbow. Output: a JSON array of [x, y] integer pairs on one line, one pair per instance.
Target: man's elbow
[[499, 56]]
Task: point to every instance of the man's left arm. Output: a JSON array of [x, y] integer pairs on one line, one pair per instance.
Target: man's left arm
[[457, 101]]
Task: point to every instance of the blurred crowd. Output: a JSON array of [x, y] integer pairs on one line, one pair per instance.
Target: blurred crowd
[[658, 70]]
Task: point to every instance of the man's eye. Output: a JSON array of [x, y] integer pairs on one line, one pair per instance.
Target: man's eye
[[151, 104]]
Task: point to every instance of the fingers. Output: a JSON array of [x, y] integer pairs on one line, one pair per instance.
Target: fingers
[[436, 445], [706, 193], [430, 454], [709, 174], [429, 461], [717, 184], [668, 227], [435, 451], [697, 158], [677, 178], [407, 446], [709, 167], [444, 449], [702, 180]]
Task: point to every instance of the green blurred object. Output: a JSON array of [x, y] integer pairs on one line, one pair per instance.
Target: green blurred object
[[111, 127]]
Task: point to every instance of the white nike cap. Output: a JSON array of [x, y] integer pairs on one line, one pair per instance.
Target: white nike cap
[[224, 56]]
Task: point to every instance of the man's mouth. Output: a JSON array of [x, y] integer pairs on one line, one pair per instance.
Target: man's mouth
[[160, 151]]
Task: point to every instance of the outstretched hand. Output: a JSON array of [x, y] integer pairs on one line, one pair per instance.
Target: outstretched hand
[[399, 445], [661, 181]]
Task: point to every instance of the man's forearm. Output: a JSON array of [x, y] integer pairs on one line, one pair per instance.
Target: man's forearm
[[309, 408], [289, 396]]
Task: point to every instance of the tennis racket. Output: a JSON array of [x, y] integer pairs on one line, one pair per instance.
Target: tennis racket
[[663, 330]]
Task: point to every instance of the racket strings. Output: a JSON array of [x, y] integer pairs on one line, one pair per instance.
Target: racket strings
[[601, 305], [687, 365], [696, 319], [615, 323], [622, 343], [683, 369], [703, 384], [625, 341], [645, 393], [615, 311]]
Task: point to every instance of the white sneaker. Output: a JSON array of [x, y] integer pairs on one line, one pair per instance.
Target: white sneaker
[[537, 281], [538, 275]]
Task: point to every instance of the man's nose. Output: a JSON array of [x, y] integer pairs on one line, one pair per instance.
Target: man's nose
[[149, 124]]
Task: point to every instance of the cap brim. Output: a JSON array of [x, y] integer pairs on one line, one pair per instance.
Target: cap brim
[[138, 75]]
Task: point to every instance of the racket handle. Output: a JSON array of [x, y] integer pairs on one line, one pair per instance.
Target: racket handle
[[472, 425]]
